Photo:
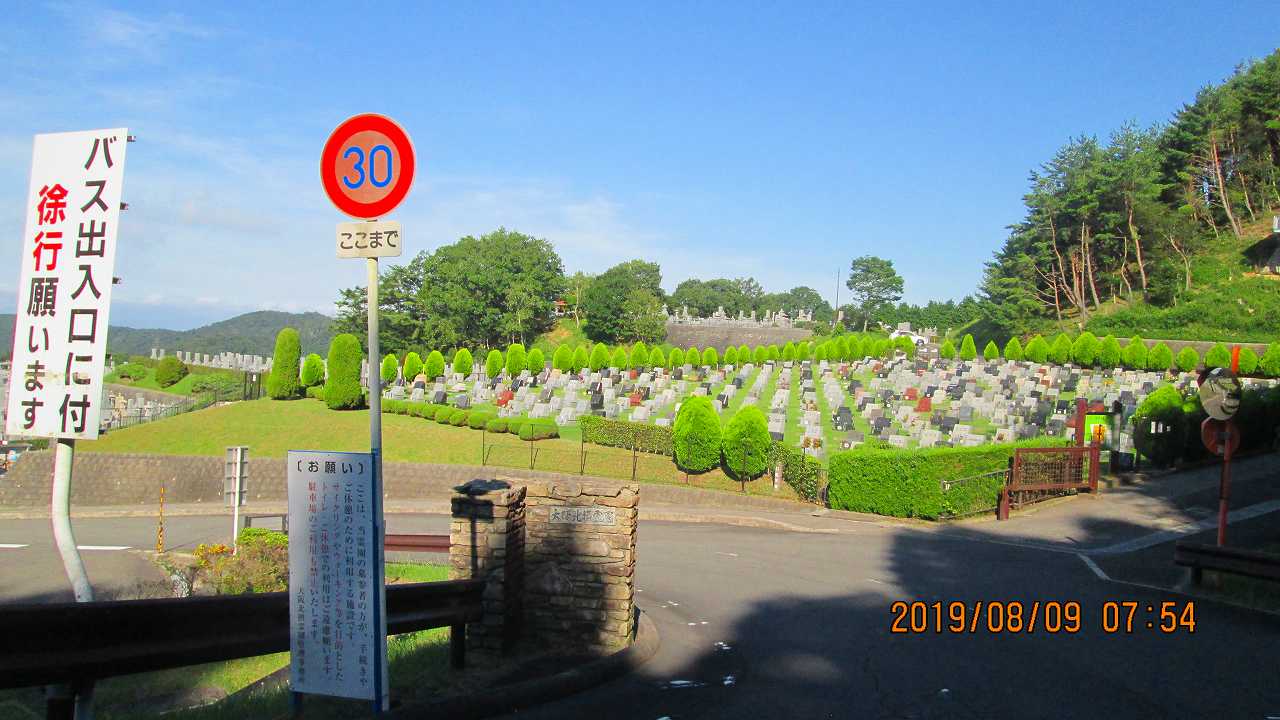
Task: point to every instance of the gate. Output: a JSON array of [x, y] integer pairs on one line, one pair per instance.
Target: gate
[[1041, 473]]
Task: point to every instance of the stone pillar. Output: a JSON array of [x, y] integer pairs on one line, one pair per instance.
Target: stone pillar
[[580, 557], [486, 541]]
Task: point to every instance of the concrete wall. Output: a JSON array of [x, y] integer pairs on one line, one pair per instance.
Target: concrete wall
[[703, 336]]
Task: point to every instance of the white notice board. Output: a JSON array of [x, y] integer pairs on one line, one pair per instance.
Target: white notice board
[[337, 605]]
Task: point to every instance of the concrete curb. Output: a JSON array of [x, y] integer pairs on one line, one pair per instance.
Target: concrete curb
[[511, 698], [735, 520]]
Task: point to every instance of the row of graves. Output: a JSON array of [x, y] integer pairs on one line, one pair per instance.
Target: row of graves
[[223, 360]]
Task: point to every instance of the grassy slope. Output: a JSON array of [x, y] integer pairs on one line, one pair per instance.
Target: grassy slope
[[182, 387]]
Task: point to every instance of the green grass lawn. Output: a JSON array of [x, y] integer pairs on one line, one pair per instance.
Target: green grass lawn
[[182, 387], [271, 428]]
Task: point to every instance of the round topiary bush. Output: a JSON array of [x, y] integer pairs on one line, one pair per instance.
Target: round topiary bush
[[312, 371], [1248, 361], [496, 425], [170, 370], [760, 354], [744, 354], [536, 362], [479, 420], [1135, 353], [697, 435], [990, 352], [968, 351], [412, 366], [562, 358], [132, 371], [390, 369], [818, 355], [789, 352], [463, 363], [580, 358], [1060, 350], [443, 414], [493, 363], [342, 389], [710, 357], [745, 445], [458, 417], [639, 357], [731, 355], [948, 350], [1188, 359], [675, 359], [434, 366], [1218, 357], [692, 356], [1109, 352], [1013, 349], [517, 360], [905, 345], [1270, 363], [772, 353], [537, 429], [1160, 426], [283, 382], [1084, 351], [618, 361], [599, 358], [656, 358], [1160, 358]]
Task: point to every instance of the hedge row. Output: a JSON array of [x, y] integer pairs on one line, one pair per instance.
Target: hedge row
[[1166, 425], [908, 483], [799, 470], [622, 434], [526, 428]]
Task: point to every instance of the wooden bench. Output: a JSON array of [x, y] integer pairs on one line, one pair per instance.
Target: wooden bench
[[1233, 561]]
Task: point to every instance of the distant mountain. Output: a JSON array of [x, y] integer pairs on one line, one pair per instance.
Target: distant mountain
[[251, 333]]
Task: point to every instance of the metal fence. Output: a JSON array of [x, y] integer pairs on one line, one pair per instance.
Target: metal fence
[[119, 419]]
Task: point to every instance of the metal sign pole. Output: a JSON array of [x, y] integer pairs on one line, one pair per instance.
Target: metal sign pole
[[380, 703], [64, 537]]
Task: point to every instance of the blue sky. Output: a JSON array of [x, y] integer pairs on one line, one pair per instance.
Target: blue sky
[[718, 140]]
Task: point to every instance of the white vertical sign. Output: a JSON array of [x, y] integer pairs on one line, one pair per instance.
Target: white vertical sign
[[338, 625], [72, 211]]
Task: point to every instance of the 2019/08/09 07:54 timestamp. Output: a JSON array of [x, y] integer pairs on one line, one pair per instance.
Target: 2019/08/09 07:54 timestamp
[[1042, 616]]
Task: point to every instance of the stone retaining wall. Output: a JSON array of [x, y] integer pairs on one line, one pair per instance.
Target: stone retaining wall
[[720, 337]]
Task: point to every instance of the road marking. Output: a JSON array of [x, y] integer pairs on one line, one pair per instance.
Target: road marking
[[12, 546], [878, 582], [1093, 566], [725, 553], [102, 547]]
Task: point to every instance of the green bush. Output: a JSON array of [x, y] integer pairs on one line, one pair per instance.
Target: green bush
[[537, 429], [312, 371], [537, 363], [968, 351], [1188, 359], [990, 352], [908, 483], [1165, 406], [760, 355], [710, 357], [819, 355], [773, 353], [412, 366], [731, 355], [639, 357], [745, 444], [260, 564], [562, 358], [496, 425], [170, 370], [580, 358], [744, 354], [906, 346], [1013, 349], [697, 435], [480, 420], [493, 364], [1084, 351], [789, 352], [282, 383], [1160, 358], [132, 371], [1109, 352], [458, 417], [1136, 353], [1037, 350], [1248, 361], [390, 368], [1060, 350], [463, 362], [599, 357], [443, 414], [618, 361], [517, 359], [1218, 357], [675, 358], [1270, 363], [394, 407], [799, 471], [434, 366], [628, 435], [692, 356], [656, 358], [221, 385], [948, 350], [342, 389], [316, 392]]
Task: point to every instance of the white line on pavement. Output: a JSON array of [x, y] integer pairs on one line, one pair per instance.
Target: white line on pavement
[[12, 546], [1093, 566], [102, 547]]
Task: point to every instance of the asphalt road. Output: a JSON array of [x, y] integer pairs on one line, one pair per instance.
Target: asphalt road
[[768, 624]]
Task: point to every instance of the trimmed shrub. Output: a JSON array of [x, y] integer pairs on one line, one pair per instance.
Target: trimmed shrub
[[761, 354], [1270, 363], [745, 444], [1084, 351], [580, 358], [537, 429], [819, 355], [462, 362], [493, 363], [434, 366], [316, 392], [1161, 445], [947, 351], [656, 358], [731, 355], [905, 345], [968, 351], [1060, 350], [1013, 349], [170, 370], [710, 357], [744, 354], [675, 359], [517, 360], [342, 389], [799, 471], [907, 483], [443, 414], [496, 425], [412, 366], [639, 357], [1135, 353], [1188, 359], [132, 371], [537, 362], [390, 369], [1218, 357], [789, 352], [1248, 361], [458, 417], [622, 434], [283, 382], [697, 435], [990, 352], [692, 356], [394, 407], [618, 361], [773, 353], [1037, 350], [1109, 352], [562, 359], [479, 420], [1160, 358], [599, 358]]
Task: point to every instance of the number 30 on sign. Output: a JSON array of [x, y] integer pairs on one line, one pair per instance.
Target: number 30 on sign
[[367, 166]]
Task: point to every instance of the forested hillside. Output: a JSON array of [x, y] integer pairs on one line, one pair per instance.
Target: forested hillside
[[1156, 230]]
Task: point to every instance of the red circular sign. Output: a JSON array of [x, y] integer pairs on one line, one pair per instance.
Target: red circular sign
[[367, 166], [1212, 432]]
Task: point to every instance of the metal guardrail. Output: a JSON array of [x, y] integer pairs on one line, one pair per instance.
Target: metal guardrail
[[416, 543], [1235, 561], [54, 643]]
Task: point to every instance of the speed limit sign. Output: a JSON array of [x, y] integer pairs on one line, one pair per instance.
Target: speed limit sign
[[367, 166]]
